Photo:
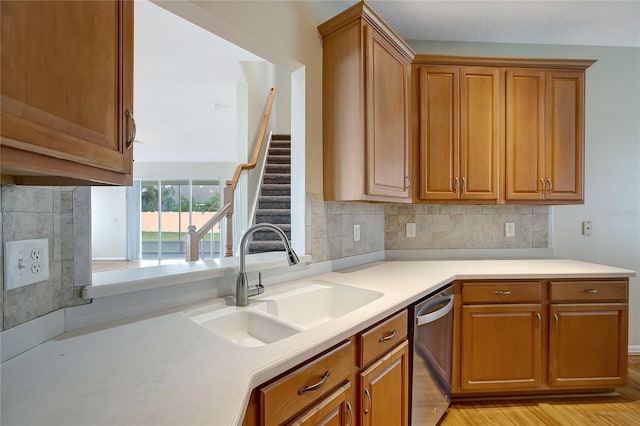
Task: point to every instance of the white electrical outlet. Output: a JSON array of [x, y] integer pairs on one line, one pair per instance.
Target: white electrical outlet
[[356, 232], [509, 229], [586, 228], [411, 230], [25, 262]]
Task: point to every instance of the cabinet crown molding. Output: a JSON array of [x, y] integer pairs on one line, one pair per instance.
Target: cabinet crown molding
[[547, 63], [362, 10]]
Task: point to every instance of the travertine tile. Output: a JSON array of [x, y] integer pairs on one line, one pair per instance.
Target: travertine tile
[[26, 199], [26, 303], [440, 239], [440, 223]]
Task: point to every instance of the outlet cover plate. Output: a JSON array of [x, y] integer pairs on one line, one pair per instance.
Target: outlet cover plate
[[509, 229], [25, 262]]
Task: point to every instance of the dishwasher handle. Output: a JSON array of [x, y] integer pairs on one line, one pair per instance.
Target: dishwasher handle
[[422, 318]]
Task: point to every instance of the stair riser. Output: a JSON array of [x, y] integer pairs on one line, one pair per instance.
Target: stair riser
[[271, 178], [269, 236], [277, 137], [274, 205], [278, 169], [272, 218], [284, 191], [279, 151], [278, 159]]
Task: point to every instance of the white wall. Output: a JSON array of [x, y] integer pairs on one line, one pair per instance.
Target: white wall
[[178, 170], [108, 223], [612, 157]]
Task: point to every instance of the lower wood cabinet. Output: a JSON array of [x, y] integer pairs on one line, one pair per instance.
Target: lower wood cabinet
[[362, 381], [384, 389], [540, 336]]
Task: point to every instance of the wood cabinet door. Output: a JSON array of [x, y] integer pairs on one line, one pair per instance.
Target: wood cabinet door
[[588, 345], [334, 410], [439, 132], [480, 108], [67, 71], [387, 121], [525, 132], [384, 390], [500, 347], [564, 135]]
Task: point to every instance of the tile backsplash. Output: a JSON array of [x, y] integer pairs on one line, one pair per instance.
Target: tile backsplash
[[465, 227], [62, 215]]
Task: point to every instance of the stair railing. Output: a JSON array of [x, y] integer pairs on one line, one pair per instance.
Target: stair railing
[[194, 236]]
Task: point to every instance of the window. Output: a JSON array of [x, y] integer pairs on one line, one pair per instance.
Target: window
[[168, 207]]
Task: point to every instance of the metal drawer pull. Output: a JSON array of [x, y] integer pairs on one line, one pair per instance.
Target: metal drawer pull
[[591, 290], [549, 187], [317, 385], [541, 185], [503, 292], [129, 142], [350, 411], [456, 185], [368, 395], [538, 319], [555, 321], [388, 336]]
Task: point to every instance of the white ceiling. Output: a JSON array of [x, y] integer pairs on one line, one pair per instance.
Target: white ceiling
[[594, 23], [185, 77]]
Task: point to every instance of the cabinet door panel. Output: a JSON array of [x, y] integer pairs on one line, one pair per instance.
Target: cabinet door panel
[[564, 141], [384, 390], [480, 132], [588, 345], [525, 132], [334, 410], [501, 347], [387, 99], [439, 132], [65, 88]]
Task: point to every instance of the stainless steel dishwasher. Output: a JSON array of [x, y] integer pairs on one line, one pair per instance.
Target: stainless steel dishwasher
[[432, 335]]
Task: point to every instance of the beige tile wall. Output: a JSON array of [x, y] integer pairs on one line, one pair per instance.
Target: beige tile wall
[[466, 227], [61, 214], [329, 229]]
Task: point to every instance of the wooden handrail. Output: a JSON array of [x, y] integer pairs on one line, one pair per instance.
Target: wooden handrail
[[194, 236], [258, 146]]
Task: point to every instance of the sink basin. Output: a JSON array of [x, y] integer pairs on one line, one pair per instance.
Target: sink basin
[[315, 302], [245, 327], [269, 318]]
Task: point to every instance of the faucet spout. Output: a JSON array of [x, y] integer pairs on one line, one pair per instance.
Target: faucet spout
[[243, 290]]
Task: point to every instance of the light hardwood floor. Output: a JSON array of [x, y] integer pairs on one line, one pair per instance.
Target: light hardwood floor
[[622, 409]]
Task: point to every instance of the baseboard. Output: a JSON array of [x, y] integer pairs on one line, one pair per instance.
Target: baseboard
[[634, 349], [30, 334]]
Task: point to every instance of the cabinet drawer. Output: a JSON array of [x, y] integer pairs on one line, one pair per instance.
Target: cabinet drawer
[[589, 291], [288, 396], [382, 337], [497, 292]]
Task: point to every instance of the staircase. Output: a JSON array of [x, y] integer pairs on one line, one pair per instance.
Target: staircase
[[274, 202]]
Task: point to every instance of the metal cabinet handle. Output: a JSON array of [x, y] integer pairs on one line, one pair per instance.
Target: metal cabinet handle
[[455, 185], [548, 185], [388, 336], [464, 185], [129, 142], [350, 411], [541, 185], [407, 182], [591, 290], [538, 319], [368, 395], [503, 292], [555, 321], [316, 386]]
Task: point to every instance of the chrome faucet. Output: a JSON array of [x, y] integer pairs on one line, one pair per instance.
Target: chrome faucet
[[243, 290]]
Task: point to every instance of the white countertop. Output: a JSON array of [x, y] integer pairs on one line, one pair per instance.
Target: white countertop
[[165, 369]]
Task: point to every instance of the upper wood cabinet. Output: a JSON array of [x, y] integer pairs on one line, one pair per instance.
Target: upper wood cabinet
[[67, 92], [459, 121], [366, 73], [544, 135]]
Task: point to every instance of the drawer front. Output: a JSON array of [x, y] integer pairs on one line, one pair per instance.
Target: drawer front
[[589, 291], [381, 338], [288, 396], [497, 292]]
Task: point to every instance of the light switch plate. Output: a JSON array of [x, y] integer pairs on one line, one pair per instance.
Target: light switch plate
[[587, 227], [411, 230], [356, 232], [25, 262]]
